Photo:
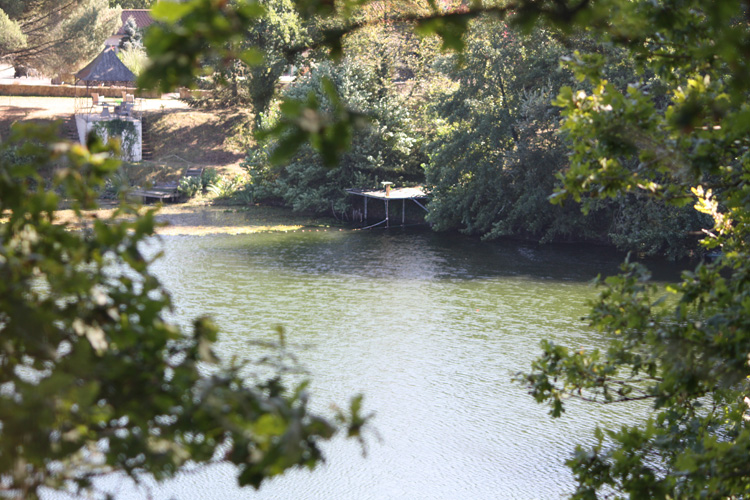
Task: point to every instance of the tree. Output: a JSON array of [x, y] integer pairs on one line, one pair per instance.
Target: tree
[[93, 377], [274, 34], [369, 81], [686, 352], [250, 73], [54, 35], [388, 149], [494, 162], [11, 36], [133, 38]]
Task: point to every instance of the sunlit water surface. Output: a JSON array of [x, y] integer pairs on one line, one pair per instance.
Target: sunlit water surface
[[430, 328]]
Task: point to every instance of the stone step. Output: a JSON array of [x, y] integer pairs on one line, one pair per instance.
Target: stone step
[[69, 130]]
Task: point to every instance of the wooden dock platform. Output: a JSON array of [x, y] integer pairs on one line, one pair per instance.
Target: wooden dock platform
[[160, 192], [391, 194], [166, 191]]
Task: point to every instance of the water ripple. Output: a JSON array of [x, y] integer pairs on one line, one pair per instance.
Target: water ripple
[[430, 329]]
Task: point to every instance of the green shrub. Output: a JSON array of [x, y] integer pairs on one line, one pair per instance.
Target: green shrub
[[189, 186], [389, 149], [116, 185], [224, 187], [134, 59], [246, 196], [208, 177]]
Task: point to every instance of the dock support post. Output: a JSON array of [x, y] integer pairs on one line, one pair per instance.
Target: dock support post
[[387, 220], [403, 211], [365, 210]]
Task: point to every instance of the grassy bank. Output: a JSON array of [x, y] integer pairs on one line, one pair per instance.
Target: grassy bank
[[207, 138], [182, 137], [179, 135]]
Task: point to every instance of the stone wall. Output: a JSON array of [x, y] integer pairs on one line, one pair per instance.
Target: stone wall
[[131, 144], [70, 91], [192, 93]]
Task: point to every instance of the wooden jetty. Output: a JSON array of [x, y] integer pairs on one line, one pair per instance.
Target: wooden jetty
[[392, 194], [193, 172], [165, 191], [160, 192]]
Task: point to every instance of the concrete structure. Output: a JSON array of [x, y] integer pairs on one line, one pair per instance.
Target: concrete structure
[[131, 141]]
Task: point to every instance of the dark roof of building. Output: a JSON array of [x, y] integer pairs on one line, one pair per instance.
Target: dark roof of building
[[142, 18], [106, 68]]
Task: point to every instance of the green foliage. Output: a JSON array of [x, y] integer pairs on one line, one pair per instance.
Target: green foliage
[[54, 35], [208, 177], [225, 187], [115, 128], [94, 379], [122, 131], [189, 187], [202, 43], [276, 33], [218, 185], [11, 36], [649, 226], [685, 352], [246, 196], [388, 149], [117, 185], [494, 160], [134, 58], [132, 37], [272, 36], [688, 359]]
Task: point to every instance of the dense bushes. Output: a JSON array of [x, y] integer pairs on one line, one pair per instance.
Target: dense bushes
[[481, 129], [494, 162], [389, 149], [219, 186]]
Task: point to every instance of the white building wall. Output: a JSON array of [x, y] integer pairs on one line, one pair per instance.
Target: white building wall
[[131, 147]]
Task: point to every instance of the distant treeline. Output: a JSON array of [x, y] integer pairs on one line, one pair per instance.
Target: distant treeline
[[480, 130]]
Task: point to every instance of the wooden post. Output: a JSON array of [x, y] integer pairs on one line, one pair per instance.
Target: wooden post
[[403, 211], [387, 221], [365, 209]]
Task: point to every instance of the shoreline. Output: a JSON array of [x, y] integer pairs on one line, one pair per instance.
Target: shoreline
[[195, 219]]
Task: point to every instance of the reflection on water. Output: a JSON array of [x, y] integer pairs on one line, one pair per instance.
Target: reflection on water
[[430, 328]]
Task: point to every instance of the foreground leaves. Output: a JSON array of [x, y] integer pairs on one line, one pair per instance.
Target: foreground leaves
[[685, 351], [92, 377]]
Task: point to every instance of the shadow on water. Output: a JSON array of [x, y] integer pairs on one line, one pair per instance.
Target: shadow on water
[[420, 254]]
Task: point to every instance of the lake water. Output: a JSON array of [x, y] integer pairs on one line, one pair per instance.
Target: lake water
[[430, 328]]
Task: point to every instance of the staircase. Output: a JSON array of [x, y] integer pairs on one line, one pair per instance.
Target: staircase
[[147, 144], [69, 130]]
